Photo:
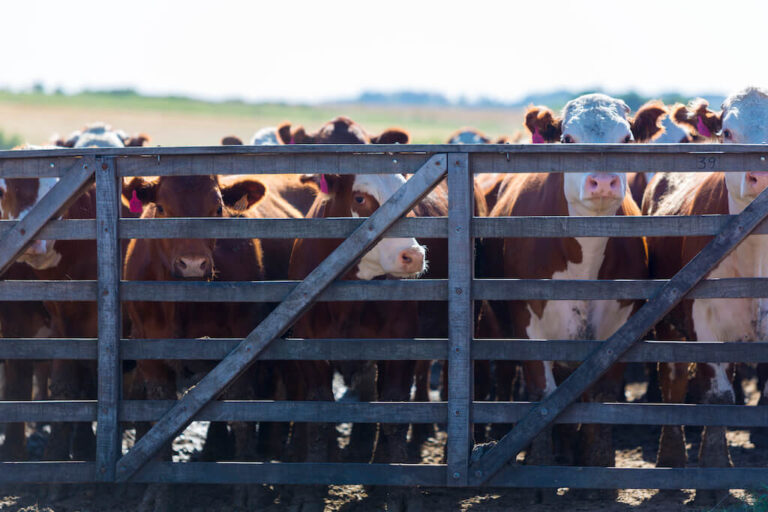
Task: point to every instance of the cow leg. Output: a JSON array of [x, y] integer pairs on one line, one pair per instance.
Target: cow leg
[[540, 383], [84, 440], [362, 387], [420, 432], [713, 451], [483, 384], [317, 438], [64, 386], [505, 373], [18, 386], [159, 384], [673, 379]]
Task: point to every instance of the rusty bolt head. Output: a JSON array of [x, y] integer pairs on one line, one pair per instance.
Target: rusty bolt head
[[459, 291], [104, 166]]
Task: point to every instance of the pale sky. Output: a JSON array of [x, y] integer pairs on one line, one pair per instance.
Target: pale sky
[[319, 50]]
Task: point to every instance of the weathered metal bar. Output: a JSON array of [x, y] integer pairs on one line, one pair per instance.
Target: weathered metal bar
[[601, 359], [423, 227], [742, 416], [47, 472], [617, 226], [283, 316], [389, 350], [461, 319], [58, 198], [631, 478], [423, 289], [109, 369], [300, 149]]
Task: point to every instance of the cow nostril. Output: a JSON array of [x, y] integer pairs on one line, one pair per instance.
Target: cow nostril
[[614, 182], [204, 265], [406, 259], [180, 263]]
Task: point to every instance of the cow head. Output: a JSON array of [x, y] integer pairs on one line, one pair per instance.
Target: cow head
[[101, 135], [469, 136], [341, 130], [191, 196], [597, 119], [742, 120], [359, 196]]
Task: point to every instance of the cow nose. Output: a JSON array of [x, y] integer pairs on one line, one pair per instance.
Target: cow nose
[[37, 248], [412, 261], [602, 185], [192, 266], [756, 181]]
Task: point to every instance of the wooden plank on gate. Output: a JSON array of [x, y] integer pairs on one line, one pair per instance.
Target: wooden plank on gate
[[58, 198], [109, 370], [282, 317], [461, 318], [599, 361]]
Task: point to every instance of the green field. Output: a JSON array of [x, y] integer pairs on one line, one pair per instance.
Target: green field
[[35, 116]]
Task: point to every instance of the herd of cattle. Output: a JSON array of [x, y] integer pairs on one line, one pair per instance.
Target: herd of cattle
[[593, 118]]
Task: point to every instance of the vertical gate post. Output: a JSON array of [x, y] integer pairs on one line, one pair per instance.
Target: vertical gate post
[[461, 317], [108, 442]]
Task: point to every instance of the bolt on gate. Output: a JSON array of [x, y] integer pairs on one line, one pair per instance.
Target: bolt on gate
[[429, 164]]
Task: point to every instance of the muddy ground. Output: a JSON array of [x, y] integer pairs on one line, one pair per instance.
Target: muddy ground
[[635, 447]]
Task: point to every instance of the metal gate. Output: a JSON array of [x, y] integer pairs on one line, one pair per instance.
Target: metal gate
[[429, 164]]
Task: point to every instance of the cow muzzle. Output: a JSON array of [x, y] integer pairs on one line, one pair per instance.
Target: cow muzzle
[[601, 185], [193, 266], [755, 182]]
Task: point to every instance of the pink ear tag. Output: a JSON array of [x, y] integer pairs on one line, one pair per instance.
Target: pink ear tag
[[536, 138], [323, 184], [702, 128], [134, 205]]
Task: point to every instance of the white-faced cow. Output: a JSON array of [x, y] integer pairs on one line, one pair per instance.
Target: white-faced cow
[[744, 120], [593, 118]]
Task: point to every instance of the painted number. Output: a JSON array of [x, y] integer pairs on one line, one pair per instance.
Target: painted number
[[707, 162]]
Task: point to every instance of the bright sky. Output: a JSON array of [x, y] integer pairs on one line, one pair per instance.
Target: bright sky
[[318, 50]]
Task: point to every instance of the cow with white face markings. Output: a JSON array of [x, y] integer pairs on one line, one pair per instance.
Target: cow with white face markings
[[593, 118], [66, 260], [355, 196], [744, 120]]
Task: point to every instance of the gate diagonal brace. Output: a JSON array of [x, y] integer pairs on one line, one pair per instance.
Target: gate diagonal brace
[[282, 317], [490, 461]]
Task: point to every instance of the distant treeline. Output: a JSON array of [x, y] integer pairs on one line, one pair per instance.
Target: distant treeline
[[553, 99]]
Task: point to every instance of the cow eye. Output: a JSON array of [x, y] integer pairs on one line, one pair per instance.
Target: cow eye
[[727, 134], [219, 210], [359, 199], [567, 139], [628, 138], [159, 209]]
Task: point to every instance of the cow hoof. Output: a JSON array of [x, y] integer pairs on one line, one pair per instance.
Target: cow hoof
[[710, 497], [307, 500], [156, 499]]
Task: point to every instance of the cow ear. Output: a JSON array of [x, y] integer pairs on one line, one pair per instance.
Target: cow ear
[[288, 135], [144, 188], [699, 117], [325, 183], [543, 125], [243, 194], [231, 140], [391, 136], [646, 125], [136, 140]]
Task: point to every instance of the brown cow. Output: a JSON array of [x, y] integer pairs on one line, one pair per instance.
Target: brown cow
[[166, 260], [743, 119], [354, 196], [589, 118]]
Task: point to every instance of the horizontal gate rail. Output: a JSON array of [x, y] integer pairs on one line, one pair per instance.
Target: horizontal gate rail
[[737, 416], [388, 350], [406, 289], [425, 227]]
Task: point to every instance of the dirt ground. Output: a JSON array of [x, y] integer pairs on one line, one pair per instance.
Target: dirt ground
[[635, 447]]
